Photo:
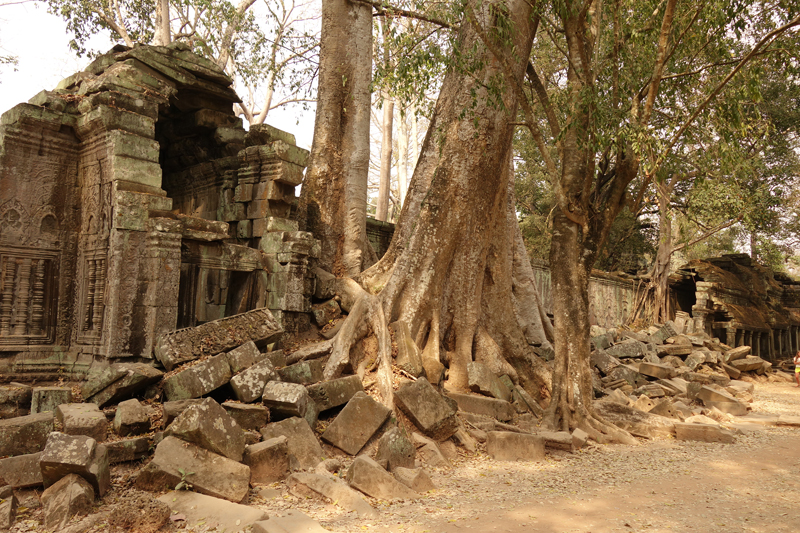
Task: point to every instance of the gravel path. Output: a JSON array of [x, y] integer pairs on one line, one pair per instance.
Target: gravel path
[[752, 485]]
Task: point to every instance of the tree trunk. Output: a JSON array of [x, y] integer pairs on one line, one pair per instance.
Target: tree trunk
[[384, 186], [402, 158], [162, 36], [660, 274], [334, 195], [449, 270]]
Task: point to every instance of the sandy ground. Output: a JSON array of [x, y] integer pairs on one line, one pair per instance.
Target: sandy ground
[[752, 485]]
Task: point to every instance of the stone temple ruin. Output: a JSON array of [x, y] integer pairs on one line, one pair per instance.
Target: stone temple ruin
[[132, 203]]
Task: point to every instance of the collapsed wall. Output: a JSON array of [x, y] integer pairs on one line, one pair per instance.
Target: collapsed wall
[[132, 203]]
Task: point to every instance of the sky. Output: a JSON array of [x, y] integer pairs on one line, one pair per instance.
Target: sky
[[40, 42]]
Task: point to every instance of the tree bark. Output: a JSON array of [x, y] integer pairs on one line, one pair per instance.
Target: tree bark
[[402, 159], [385, 183], [162, 36], [334, 195], [449, 270]]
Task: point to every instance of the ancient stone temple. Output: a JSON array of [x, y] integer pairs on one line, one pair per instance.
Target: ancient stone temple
[[740, 302], [132, 203]]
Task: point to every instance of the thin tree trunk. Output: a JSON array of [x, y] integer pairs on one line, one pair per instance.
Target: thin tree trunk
[[334, 195], [162, 36], [402, 158], [660, 274], [414, 135], [385, 183]]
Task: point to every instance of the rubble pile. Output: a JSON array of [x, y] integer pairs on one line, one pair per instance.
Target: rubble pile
[[229, 413]]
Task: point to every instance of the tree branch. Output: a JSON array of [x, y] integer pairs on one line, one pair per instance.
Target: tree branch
[[388, 11]]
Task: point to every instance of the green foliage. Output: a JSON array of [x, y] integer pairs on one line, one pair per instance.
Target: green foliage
[[183, 484]]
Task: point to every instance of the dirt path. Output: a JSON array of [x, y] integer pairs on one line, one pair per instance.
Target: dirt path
[[752, 485]]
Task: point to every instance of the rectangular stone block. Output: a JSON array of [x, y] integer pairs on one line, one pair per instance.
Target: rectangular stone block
[[249, 417], [22, 471], [481, 405], [25, 434], [336, 392], [198, 380], [356, 424], [248, 385], [510, 446], [126, 450], [268, 460], [243, 357], [302, 442], [304, 372], [48, 398], [431, 413], [704, 433], [656, 370], [217, 336]]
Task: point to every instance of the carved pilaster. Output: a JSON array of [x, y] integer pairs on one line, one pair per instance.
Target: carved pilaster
[[37, 298], [7, 295], [22, 298]]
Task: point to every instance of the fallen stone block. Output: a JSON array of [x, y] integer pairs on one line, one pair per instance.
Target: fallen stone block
[[481, 405], [579, 438], [367, 476], [135, 377], [131, 418], [409, 356], [48, 398], [732, 372], [483, 381], [395, 450], [326, 312], [209, 426], [22, 471], [69, 496], [704, 433], [617, 396], [665, 332], [635, 422], [303, 445], [268, 460], [304, 372], [249, 417], [292, 522], [248, 385], [8, 507], [198, 380], [83, 419], [210, 513], [25, 434], [674, 349], [335, 392], [629, 373], [243, 357], [171, 410], [216, 336], [721, 400], [783, 420], [426, 408], [736, 354], [627, 349], [695, 359], [510, 446], [747, 364], [211, 474], [428, 451], [126, 450], [286, 400], [305, 485], [15, 400], [414, 478], [356, 423], [644, 403], [75, 454], [99, 379], [556, 440], [604, 362], [665, 408], [658, 371]]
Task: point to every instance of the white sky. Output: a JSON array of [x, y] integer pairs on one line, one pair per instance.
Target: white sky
[[41, 44]]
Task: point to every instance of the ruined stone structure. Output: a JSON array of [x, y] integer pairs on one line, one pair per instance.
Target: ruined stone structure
[[132, 203], [740, 302]]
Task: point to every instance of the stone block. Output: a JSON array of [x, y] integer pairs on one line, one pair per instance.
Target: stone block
[[481, 405], [511, 446], [75, 454], [126, 450], [249, 417], [336, 392], [8, 507], [25, 434], [628, 373], [248, 385], [360, 419], [69, 496], [721, 400], [427, 409], [414, 478], [367, 476], [268, 460], [304, 372], [318, 486], [733, 372], [746, 364], [83, 419], [212, 474], [22, 471], [429, 452], [198, 380], [674, 349], [664, 408], [483, 381], [555, 440], [325, 286], [579, 438], [217, 336], [409, 356], [604, 362], [627, 349], [658, 371], [395, 450], [665, 332], [291, 522], [48, 398], [704, 433], [131, 418], [243, 357], [735, 354], [135, 377], [286, 400], [326, 312], [695, 359], [209, 426], [735, 408], [171, 410], [15, 400], [208, 513], [303, 444], [635, 422]]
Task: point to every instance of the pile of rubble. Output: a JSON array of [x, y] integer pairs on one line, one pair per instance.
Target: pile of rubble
[[231, 414]]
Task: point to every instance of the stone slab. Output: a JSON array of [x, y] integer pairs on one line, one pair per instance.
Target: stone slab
[[135, 377], [286, 400], [304, 372], [369, 477], [126, 450], [83, 419], [483, 381], [48, 398], [198, 380], [249, 417], [208, 512], [335, 392], [208, 425], [248, 385], [303, 444], [356, 423], [305, 485], [217, 336], [291, 522], [704, 433], [480, 405], [243, 357], [75, 454], [511, 446], [22, 471], [25, 434], [427, 409]]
